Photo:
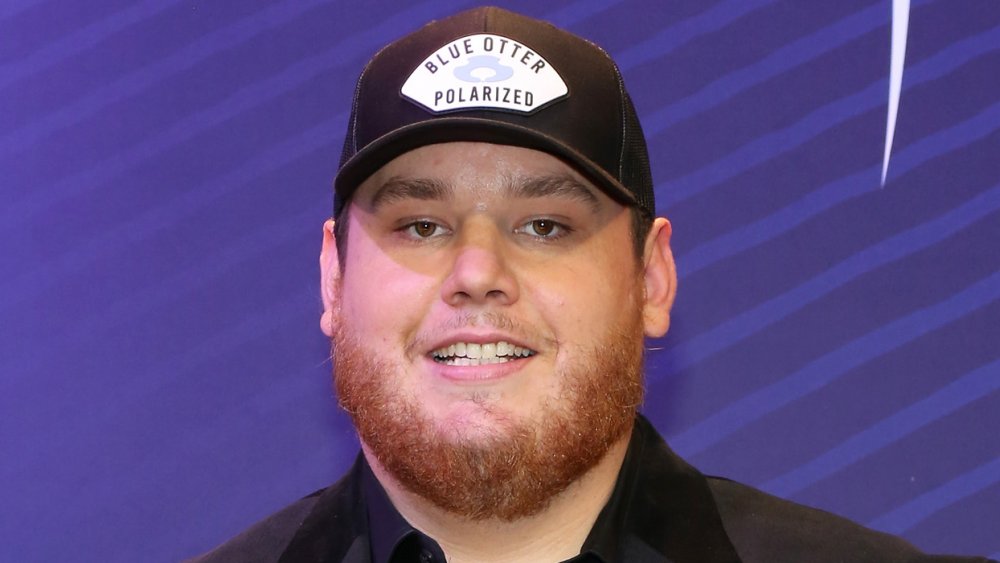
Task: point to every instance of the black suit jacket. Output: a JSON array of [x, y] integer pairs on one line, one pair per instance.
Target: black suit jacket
[[663, 511]]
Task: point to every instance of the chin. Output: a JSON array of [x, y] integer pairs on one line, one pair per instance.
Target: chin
[[473, 421]]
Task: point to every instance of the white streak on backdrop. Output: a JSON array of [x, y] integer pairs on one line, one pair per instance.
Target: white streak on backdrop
[[897, 56]]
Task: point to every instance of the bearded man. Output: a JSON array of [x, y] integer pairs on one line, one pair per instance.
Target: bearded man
[[492, 271]]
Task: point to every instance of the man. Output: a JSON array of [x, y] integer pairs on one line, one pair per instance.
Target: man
[[493, 269]]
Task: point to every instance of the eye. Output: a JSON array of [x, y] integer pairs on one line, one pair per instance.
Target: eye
[[544, 228], [423, 229]]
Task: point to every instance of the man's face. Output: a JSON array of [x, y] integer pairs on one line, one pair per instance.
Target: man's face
[[487, 325]]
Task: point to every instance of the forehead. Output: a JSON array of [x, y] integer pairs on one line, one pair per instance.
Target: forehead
[[478, 169]]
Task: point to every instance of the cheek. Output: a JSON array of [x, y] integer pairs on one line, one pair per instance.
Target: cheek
[[384, 302], [578, 300]]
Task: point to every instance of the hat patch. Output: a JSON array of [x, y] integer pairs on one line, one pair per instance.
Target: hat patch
[[484, 71]]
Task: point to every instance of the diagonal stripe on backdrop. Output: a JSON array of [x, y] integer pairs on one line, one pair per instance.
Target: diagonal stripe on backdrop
[[769, 146], [141, 226], [133, 392], [13, 7], [838, 191], [669, 38], [578, 12], [896, 247], [79, 40], [792, 55], [827, 368], [960, 392], [138, 80], [908, 515]]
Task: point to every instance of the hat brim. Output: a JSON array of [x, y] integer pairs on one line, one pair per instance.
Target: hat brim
[[455, 129]]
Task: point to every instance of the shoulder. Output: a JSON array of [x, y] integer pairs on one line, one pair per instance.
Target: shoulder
[[329, 524], [763, 527], [266, 540]]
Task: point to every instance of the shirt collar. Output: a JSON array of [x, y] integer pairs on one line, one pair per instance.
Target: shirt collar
[[392, 538]]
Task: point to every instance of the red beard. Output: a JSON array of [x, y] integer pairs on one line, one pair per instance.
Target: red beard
[[515, 472]]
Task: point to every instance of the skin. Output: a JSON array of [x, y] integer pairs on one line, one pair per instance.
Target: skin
[[423, 270]]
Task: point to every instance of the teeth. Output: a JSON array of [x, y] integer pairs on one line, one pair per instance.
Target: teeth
[[474, 354], [472, 362], [473, 351]]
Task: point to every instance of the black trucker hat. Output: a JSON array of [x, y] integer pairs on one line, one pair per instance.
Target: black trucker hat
[[494, 76]]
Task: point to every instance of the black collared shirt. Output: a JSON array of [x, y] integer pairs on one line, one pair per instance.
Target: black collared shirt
[[394, 540], [662, 510], [621, 533]]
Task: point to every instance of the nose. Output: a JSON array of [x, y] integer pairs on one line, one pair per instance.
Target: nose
[[480, 273]]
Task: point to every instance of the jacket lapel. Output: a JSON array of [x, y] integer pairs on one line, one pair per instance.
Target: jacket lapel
[[671, 508], [335, 531]]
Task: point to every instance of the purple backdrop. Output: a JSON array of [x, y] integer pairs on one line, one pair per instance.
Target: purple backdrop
[[165, 167]]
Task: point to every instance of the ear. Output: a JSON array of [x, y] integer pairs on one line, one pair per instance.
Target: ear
[[660, 277], [329, 278]]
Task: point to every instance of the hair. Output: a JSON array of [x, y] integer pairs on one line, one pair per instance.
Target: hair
[[642, 222]]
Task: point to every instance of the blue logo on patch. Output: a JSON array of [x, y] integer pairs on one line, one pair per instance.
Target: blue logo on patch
[[495, 71]]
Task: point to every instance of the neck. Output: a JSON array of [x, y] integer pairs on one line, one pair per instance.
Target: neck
[[554, 534]]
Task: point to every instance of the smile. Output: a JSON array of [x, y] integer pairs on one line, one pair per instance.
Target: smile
[[473, 354]]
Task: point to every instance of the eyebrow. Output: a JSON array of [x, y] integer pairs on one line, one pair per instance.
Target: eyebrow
[[397, 189], [429, 189], [560, 186]]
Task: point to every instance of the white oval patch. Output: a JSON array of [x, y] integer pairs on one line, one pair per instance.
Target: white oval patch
[[484, 71]]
